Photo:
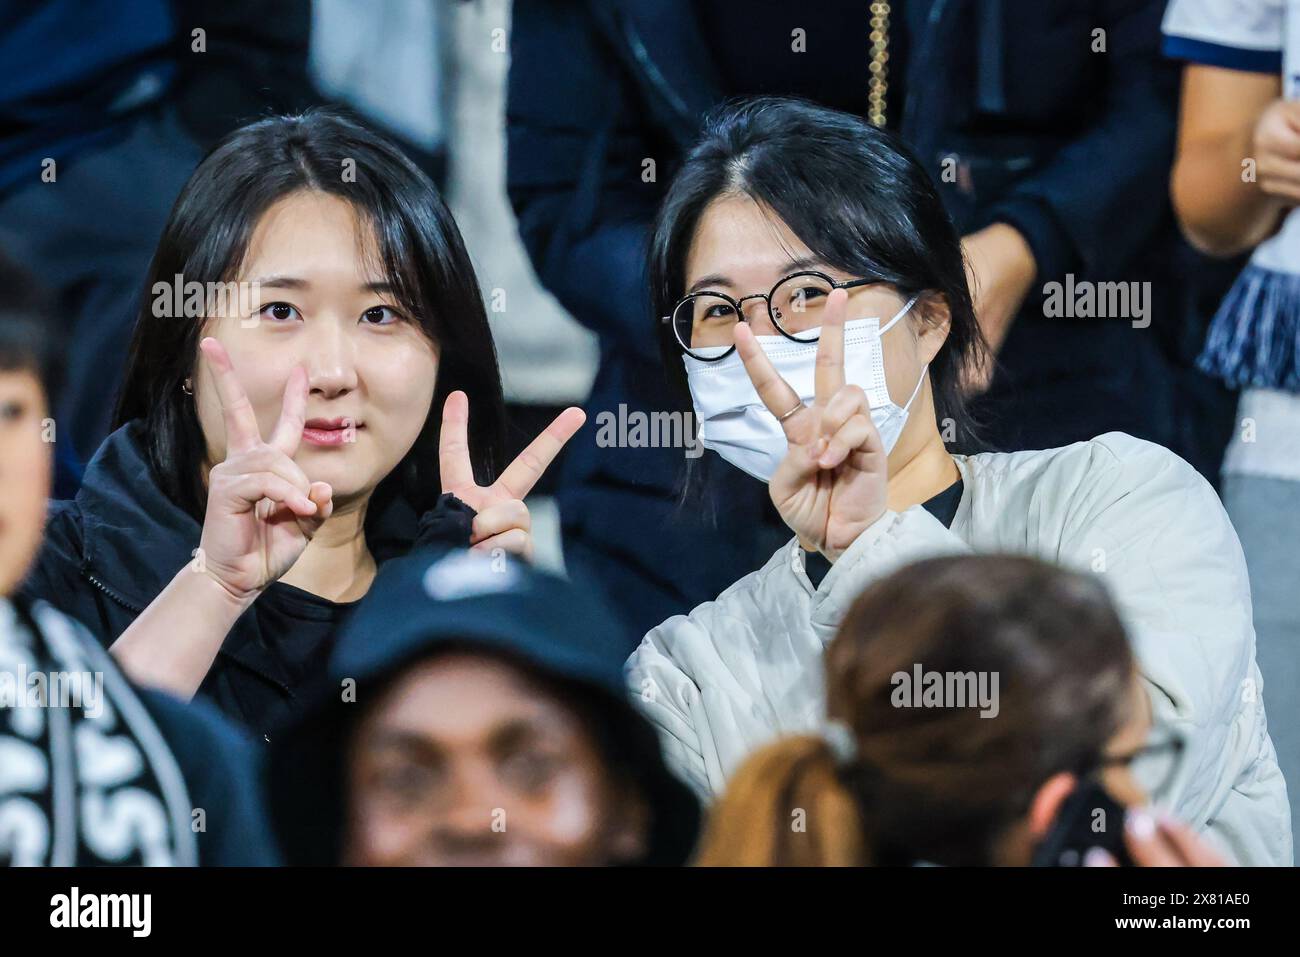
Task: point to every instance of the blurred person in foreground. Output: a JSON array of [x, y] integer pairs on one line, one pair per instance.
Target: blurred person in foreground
[[473, 715], [96, 771], [1050, 708], [1236, 183]]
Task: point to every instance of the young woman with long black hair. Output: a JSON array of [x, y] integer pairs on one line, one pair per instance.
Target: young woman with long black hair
[[327, 393], [816, 312]]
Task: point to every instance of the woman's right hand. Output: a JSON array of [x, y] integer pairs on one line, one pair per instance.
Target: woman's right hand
[[834, 479], [262, 509]]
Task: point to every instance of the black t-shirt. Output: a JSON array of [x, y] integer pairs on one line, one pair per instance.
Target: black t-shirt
[[942, 506], [753, 48], [301, 626]]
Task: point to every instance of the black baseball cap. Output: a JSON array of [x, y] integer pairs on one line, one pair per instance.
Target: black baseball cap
[[445, 599]]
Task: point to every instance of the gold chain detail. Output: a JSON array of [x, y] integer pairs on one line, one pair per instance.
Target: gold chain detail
[[878, 84]]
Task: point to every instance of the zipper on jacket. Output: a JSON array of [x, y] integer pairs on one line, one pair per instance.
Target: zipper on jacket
[[129, 606], [110, 593]]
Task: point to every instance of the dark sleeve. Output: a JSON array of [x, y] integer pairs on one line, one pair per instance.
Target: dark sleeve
[[449, 522], [576, 144], [1101, 199], [55, 575], [222, 771]]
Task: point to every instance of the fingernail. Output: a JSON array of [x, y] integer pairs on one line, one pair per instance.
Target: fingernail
[[1164, 816], [1096, 857], [1140, 823]]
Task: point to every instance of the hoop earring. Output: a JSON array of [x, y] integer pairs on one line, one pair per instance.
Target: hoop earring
[[187, 387]]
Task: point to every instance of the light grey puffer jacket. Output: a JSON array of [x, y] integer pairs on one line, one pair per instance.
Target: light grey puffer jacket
[[739, 671]]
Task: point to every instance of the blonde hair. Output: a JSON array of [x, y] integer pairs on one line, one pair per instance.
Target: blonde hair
[[810, 818]]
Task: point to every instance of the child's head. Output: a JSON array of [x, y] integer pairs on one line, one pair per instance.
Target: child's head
[[27, 364]]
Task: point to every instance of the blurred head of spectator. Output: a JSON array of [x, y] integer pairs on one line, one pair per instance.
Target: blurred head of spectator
[[1052, 701], [172, 757], [27, 370], [475, 714]]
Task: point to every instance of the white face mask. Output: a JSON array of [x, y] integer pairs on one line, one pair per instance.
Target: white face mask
[[735, 423]]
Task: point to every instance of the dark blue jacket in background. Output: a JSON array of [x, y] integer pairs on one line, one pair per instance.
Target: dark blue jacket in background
[[1071, 147]]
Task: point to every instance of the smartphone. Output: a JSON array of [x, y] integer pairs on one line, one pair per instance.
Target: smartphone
[[1089, 818]]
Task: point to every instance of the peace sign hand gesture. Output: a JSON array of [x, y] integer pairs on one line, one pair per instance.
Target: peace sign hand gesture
[[262, 509], [833, 481], [502, 519]]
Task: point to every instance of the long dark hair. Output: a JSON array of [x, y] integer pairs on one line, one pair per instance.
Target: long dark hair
[[853, 193], [422, 255], [940, 785]]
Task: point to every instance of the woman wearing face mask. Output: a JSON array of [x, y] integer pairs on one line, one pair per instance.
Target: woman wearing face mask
[[311, 373], [840, 388], [1053, 719]]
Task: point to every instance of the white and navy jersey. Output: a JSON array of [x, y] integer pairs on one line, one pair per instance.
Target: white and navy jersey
[[1254, 338], [1247, 35]]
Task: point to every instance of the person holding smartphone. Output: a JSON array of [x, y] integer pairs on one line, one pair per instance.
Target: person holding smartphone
[[1033, 765]]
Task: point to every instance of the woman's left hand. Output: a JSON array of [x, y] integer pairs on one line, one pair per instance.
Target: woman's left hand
[[502, 519]]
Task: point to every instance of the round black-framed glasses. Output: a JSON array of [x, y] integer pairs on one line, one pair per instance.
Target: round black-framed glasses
[[704, 322], [1161, 760]]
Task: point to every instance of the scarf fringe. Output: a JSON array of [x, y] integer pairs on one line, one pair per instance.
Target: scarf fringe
[[1254, 338]]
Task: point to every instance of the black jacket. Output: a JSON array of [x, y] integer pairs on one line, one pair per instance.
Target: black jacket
[[110, 551]]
